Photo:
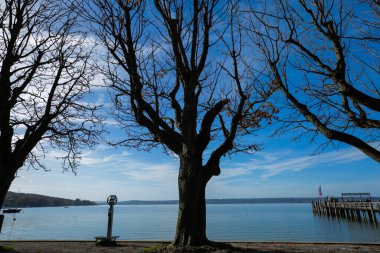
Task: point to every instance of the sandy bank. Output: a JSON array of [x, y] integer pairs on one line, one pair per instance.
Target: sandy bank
[[139, 247]]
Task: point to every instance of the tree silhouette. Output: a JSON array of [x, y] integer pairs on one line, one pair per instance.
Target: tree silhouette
[[177, 72], [324, 56], [44, 74]]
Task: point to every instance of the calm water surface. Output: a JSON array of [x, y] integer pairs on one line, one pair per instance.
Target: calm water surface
[[239, 222]]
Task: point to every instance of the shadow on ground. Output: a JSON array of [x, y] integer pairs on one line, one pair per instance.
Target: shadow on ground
[[213, 248], [274, 247]]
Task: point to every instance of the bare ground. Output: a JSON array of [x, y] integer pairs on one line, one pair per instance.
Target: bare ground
[[164, 247]]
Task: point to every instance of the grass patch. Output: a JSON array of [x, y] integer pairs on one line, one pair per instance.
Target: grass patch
[[6, 249], [156, 248], [209, 248]]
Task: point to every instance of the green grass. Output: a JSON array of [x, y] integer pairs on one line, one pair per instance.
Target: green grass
[[5, 249], [155, 248]]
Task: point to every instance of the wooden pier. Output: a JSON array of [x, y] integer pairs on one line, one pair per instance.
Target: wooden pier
[[355, 211]]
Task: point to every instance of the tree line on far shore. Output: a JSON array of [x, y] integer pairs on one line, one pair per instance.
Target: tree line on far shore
[[35, 200]]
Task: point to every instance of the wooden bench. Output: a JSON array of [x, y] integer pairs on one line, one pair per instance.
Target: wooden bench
[[103, 239]]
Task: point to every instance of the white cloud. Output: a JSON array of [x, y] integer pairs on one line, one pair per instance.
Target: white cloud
[[272, 164], [125, 164], [103, 171], [152, 176]]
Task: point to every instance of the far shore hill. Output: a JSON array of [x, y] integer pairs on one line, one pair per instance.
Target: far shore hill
[[22, 200]]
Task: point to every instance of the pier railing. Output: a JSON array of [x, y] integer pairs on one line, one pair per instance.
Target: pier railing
[[356, 211]]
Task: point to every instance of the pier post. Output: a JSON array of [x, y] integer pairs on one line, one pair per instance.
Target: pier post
[[335, 212], [327, 208], [373, 214], [330, 209], [365, 216], [352, 213], [1, 221], [342, 212], [358, 214], [319, 207], [316, 208]]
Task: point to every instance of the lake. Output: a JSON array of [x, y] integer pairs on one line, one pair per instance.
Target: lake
[[225, 222]]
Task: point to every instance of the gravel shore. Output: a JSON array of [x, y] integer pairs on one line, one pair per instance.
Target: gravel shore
[[162, 247]]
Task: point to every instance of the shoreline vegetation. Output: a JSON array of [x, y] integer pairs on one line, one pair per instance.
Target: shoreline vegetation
[[164, 247], [22, 200]]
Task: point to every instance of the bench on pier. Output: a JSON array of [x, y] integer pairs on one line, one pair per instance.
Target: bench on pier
[[356, 197]]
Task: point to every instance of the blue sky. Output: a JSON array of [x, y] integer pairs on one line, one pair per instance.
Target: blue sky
[[282, 169]]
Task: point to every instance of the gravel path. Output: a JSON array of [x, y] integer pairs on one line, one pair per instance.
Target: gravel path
[[162, 247]]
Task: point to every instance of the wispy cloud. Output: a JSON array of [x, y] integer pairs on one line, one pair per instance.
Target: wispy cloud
[[124, 163], [133, 175], [103, 171], [272, 164]]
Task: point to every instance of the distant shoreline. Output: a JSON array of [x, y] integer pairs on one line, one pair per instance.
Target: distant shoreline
[[225, 201], [23, 200]]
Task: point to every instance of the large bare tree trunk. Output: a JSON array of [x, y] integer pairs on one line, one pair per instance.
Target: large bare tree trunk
[[182, 109], [6, 180], [37, 36], [191, 223]]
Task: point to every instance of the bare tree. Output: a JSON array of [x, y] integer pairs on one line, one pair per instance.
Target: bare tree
[[44, 75], [324, 56], [175, 70]]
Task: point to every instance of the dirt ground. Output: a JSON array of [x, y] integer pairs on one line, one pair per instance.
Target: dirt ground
[[164, 247]]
